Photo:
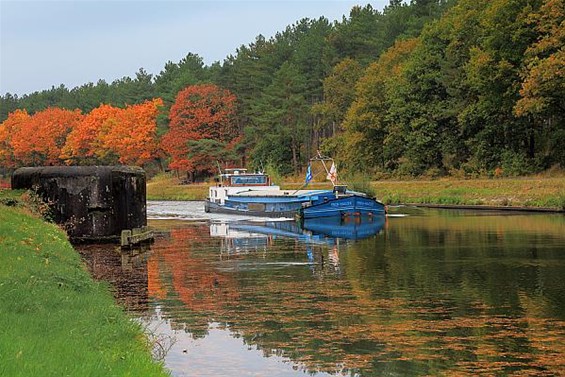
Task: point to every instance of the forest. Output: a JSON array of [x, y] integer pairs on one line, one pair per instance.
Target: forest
[[429, 88]]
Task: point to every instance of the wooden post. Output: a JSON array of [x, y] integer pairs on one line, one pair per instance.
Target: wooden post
[[136, 236]]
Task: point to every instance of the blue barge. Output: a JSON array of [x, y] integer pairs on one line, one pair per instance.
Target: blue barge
[[239, 192]]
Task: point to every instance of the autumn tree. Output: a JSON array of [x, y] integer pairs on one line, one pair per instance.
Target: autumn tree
[[85, 143], [200, 112], [542, 93], [543, 89], [133, 138], [112, 135], [10, 127], [39, 140]]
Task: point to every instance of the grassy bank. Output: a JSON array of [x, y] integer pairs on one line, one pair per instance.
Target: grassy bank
[[517, 192], [167, 187], [536, 192], [54, 319]]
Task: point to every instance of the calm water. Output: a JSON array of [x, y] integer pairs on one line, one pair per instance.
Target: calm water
[[425, 293]]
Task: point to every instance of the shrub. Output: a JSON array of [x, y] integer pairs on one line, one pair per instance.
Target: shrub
[[515, 164], [275, 174]]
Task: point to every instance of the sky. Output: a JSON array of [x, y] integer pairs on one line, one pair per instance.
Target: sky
[[49, 43]]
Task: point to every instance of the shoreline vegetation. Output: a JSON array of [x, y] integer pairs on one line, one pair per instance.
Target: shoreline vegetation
[[54, 318], [535, 192]]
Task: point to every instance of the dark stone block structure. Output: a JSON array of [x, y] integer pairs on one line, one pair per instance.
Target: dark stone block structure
[[93, 203]]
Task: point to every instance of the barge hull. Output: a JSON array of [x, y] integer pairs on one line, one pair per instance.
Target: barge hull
[[353, 205], [211, 207]]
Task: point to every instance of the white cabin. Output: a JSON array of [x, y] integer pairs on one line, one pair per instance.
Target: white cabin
[[234, 181]]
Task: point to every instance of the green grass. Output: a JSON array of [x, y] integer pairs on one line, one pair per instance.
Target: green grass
[[54, 319], [508, 192], [168, 187]]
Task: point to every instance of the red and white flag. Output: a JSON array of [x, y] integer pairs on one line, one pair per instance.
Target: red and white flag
[[332, 174]]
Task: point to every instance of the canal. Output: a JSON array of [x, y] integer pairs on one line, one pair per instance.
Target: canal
[[426, 292]]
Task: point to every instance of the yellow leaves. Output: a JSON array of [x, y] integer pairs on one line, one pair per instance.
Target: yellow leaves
[[395, 56], [544, 76], [27, 241]]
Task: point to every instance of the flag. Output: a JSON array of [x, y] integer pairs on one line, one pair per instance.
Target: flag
[[332, 174], [308, 174]]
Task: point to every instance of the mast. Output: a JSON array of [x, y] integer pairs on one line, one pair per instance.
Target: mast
[[323, 160]]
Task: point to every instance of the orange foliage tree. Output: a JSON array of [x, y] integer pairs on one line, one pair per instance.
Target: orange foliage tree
[[201, 122], [109, 135], [84, 144], [134, 136], [8, 128], [38, 140]]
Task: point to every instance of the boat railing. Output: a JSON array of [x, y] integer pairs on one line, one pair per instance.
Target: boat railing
[[340, 189]]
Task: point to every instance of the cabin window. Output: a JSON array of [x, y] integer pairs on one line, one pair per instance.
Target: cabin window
[[249, 180]]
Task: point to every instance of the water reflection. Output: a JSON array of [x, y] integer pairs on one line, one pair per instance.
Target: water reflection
[[439, 293], [355, 228], [243, 236], [126, 271]]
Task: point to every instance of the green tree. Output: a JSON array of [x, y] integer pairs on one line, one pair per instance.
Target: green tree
[[359, 36], [492, 82], [8, 104], [176, 76], [282, 128], [542, 92], [373, 139], [339, 93], [205, 154]]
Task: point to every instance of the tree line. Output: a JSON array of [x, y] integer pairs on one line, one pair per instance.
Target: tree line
[[431, 87]]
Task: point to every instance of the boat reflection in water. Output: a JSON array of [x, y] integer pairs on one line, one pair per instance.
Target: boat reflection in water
[[352, 228], [253, 235], [434, 293]]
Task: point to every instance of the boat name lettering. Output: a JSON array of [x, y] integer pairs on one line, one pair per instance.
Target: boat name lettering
[[343, 203]]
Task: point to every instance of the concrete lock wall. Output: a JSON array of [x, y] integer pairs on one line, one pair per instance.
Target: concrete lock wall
[[92, 203]]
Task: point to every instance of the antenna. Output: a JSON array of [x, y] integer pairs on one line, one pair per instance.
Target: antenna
[[220, 169]]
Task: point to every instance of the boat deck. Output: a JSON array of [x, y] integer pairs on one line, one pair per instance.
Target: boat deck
[[279, 193]]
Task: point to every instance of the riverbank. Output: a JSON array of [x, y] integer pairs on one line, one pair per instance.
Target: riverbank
[[54, 319], [528, 192]]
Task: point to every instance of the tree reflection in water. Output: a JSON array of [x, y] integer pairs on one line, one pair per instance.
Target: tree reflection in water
[[445, 293]]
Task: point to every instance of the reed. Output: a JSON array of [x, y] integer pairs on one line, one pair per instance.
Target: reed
[[54, 319]]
